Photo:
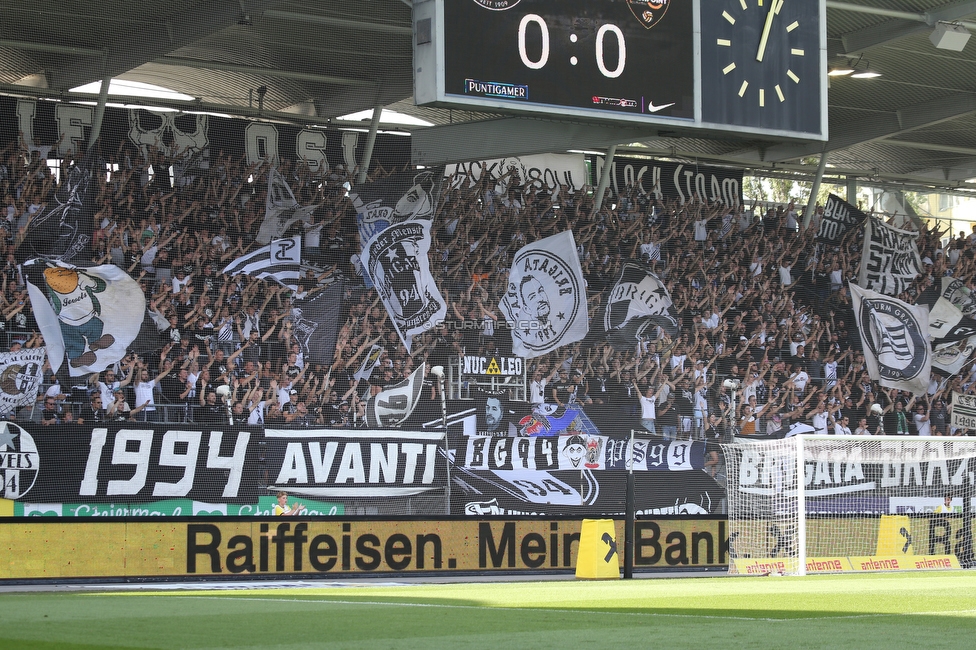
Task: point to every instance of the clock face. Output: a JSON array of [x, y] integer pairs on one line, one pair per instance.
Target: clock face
[[761, 64]]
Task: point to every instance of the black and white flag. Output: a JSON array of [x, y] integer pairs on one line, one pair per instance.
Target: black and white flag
[[951, 357], [895, 338], [397, 263], [63, 230], [279, 261], [369, 363], [87, 315], [890, 261], [394, 404], [399, 197], [635, 306], [546, 296], [317, 323], [281, 209], [20, 377], [839, 218]]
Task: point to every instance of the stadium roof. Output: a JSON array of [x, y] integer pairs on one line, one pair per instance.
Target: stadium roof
[[312, 61]]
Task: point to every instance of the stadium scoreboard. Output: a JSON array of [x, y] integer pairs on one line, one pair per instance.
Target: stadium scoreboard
[[743, 66]]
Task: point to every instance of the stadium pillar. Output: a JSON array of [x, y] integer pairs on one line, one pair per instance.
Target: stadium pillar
[[630, 515], [814, 191], [374, 125], [601, 189], [852, 190], [99, 111]]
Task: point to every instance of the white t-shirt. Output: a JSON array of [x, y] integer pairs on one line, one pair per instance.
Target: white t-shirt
[[648, 407], [924, 427], [537, 391], [819, 421], [144, 393]]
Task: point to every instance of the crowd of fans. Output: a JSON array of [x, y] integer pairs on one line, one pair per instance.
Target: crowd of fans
[[767, 335]]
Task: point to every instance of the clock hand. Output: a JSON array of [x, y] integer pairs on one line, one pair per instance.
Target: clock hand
[[773, 10]]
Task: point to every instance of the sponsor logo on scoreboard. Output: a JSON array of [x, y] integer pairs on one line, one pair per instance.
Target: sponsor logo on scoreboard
[[496, 89], [498, 5], [614, 101]]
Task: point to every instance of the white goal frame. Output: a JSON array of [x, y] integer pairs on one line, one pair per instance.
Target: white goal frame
[[766, 486]]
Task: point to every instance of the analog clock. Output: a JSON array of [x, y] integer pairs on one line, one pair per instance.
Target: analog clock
[[761, 64]]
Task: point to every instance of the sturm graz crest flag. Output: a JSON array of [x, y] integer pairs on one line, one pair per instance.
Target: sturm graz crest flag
[[895, 339], [635, 306]]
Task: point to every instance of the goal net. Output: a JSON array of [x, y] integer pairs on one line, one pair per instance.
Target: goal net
[[812, 504]]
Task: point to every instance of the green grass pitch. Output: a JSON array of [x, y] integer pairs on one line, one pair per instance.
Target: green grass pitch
[[936, 610]]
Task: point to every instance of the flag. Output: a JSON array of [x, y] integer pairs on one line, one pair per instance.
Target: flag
[[63, 230], [281, 209], [951, 357], [369, 363], [395, 403], [279, 261], [90, 315], [546, 296], [634, 307], [317, 323], [20, 377], [397, 263], [894, 335], [889, 261], [398, 197], [947, 324], [838, 218]]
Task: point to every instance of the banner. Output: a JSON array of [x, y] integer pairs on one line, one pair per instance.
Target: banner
[[670, 181], [394, 404], [317, 323], [394, 199], [838, 219], [634, 306], [397, 263], [894, 336], [550, 172], [546, 297], [63, 230], [279, 261], [889, 261], [963, 411], [947, 323], [129, 463], [281, 210], [89, 315], [52, 129], [356, 464], [20, 377]]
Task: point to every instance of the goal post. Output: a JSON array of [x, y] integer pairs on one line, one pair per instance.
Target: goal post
[[821, 504]]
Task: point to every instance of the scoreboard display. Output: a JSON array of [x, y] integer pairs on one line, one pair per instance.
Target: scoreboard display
[[753, 66]]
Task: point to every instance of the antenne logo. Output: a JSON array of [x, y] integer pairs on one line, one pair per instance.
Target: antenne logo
[[19, 461], [648, 13], [497, 5]]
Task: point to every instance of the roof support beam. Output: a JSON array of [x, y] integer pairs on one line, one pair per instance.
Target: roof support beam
[[879, 127], [31, 46], [138, 46], [267, 72], [369, 26]]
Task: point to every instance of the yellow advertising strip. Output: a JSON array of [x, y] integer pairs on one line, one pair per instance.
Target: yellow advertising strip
[[218, 547], [854, 564]]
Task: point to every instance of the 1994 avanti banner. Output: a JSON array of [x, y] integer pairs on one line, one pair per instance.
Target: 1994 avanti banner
[[141, 470]]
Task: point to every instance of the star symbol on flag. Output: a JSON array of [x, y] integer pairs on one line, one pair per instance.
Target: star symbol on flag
[[6, 437], [561, 316], [392, 254]]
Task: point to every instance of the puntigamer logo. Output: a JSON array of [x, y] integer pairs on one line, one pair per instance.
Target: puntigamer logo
[[19, 461], [497, 5]]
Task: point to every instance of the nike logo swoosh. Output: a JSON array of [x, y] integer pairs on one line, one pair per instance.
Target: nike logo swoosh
[[651, 108]]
